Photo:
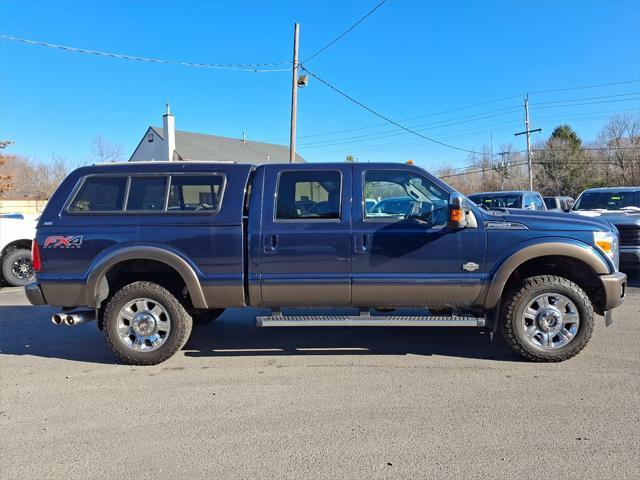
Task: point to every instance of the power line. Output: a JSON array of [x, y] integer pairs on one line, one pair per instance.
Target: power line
[[346, 32], [481, 170], [589, 103], [453, 135], [245, 67], [520, 164], [465, 107], [390, 133], [626, 82], [362, 105], [588, 98], [378, 125]]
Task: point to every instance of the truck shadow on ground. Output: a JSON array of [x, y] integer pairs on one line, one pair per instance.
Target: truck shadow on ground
[[228, 337], [27, 330]]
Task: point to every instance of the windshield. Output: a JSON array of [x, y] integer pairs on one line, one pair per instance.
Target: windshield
[[393, 206], [609, 200], [498, 200]]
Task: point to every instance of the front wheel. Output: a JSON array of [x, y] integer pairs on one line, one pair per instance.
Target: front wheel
[[547, 319], [145, 324]]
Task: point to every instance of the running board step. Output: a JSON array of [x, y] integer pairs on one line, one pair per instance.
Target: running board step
[[367, 321]]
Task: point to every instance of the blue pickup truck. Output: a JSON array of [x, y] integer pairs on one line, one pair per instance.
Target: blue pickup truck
[[147, 249]]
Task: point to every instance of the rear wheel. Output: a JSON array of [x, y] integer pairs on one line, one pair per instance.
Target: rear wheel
[[17, 268], [547, 319], [145, 324]]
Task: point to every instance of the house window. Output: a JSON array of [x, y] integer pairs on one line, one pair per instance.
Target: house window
[[150, 137]]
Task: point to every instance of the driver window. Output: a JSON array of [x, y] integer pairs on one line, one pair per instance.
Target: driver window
[[396, 195]]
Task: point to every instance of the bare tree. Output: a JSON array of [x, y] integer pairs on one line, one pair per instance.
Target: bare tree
[[620, 143], [104, 151], [6, 179]]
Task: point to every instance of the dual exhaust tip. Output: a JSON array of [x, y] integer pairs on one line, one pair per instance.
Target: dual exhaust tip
[[72, 319]]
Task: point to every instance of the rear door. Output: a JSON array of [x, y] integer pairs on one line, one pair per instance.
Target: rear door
[[305, 254]]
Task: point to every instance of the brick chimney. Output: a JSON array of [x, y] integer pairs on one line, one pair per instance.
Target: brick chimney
[[169, 133]]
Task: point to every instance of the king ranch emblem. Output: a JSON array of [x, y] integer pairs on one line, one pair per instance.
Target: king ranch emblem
[[56, 241]]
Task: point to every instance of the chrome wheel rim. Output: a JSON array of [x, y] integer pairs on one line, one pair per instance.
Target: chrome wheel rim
[[143, 325], [22, 268], [550, 321]]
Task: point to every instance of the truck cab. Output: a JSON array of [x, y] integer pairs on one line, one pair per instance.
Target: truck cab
[[149, 248]]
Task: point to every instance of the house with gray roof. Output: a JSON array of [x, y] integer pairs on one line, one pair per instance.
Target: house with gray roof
[[167, 143]]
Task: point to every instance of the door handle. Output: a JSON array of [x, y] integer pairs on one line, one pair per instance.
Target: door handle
[[271, 243], [361, 242]]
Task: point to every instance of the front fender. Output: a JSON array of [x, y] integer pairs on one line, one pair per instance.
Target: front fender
[[96, 281], [550, 247]]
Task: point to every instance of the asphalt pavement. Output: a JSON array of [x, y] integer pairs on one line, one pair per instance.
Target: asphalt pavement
[[308, 403]]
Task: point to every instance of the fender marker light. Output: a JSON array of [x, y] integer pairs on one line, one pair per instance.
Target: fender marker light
[[455, 215]]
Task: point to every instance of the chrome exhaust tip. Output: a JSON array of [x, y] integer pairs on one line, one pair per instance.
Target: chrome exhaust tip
[[76, 318], [57, 319]]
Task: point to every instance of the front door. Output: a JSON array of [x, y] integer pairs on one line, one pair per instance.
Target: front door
[[305, 236], [403, 253]]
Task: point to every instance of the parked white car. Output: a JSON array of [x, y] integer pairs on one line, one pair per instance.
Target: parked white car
[[15, 250]]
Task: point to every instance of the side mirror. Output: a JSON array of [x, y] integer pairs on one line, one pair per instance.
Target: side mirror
[[457, 214]]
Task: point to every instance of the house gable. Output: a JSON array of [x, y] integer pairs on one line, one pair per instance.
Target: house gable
[[150, 147]]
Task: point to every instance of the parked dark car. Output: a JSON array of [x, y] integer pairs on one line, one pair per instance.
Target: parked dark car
[[147, 248], [562, 204], [519, 199], [621, 207]]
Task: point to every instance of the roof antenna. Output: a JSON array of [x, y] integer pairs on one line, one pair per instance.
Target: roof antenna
[[244, 138], [168, 112]]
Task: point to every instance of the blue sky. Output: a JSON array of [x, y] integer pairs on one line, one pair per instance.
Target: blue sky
[[409, 59]]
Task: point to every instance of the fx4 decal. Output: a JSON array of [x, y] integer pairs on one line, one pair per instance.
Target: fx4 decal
[[56, 241]]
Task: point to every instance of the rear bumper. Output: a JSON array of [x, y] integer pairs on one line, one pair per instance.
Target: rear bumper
[[615, 286], [34, 294]]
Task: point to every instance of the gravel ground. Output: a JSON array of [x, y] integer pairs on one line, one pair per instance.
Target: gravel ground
[[243, 402]]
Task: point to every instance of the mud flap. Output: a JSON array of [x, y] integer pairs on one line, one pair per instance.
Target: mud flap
[[608, 317]]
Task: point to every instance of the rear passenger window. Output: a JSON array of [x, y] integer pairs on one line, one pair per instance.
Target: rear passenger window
[[201, 193], [100, 194], [308, 195], [147, 193]]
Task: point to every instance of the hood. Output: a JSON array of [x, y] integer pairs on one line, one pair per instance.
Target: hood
[[617, 217], [549, 220]]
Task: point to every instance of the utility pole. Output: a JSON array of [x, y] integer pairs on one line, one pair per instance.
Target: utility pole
[[294, 97], [502, 168], [528, 131]]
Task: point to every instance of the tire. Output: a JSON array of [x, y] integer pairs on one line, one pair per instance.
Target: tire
[[152, 331], [551, 333], [202, 317], [17, 269]]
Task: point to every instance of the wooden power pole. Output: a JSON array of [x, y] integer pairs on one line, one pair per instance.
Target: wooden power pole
[[528, 132], [294, 97]]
